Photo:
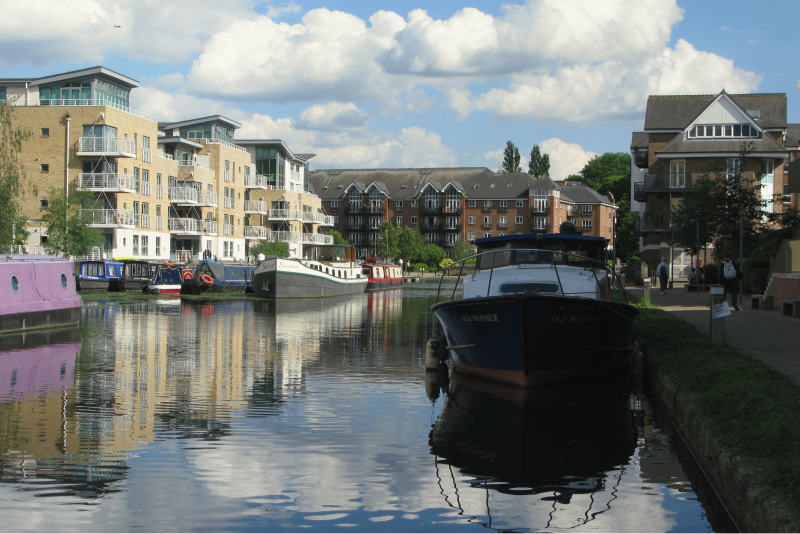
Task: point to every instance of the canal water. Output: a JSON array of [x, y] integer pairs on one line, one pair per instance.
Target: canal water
[[313, 416]]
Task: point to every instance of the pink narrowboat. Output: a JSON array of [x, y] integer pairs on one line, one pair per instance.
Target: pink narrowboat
[[37, 292]]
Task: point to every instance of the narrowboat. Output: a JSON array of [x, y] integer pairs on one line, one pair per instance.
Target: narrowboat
[[537, 310], [326, 271], [135, 275], [212, 277], [99, 275], [37, 292], [382, 276], [165, 279]]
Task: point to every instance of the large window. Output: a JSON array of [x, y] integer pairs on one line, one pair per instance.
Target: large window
[[734, 165], [677, 174], [270, 163], [723, 130]]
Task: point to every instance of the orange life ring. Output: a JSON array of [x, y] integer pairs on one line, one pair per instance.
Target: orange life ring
[[207, 279], [188, 275]]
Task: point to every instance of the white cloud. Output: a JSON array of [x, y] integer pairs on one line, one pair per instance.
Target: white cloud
[[565, 158], [275, 12], [334, 116], [164, 106], [797, 86], [43, 32]]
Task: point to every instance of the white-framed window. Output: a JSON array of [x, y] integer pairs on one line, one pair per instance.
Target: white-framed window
[[158, 246], [335, 220], [487, 234], [471, 236], [539, 223], [504, 205], [144, 245], [520, 203], [518, 220], [334, 205], [705, 131], [487, 204], [501, 234], [398, 205], [415, 203], [471, 219], [586, 224], [399, 220], [413, 219], [136, 245], [734, 166], [487, 222], [677, 173], [471, 204], [586, 209], [503, 222]]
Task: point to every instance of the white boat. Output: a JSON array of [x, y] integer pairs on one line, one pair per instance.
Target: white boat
[[326, 271]]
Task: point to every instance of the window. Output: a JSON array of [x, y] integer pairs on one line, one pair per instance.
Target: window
[[487, 222], [518, 220], [45, 167], [471, 220], [334, 205], [335, 220], [415, 203], [586, 209], [471, 236], [144, 245], [504, 205], [487, 204], [503, 222], [677, 174], [586, 224], [399, 205], [471, 203], [487, 235], [43, 204], [519, 203], [136, 245], [413, 220], [158, 246], [733, 166], [702, 131], [45, 132], [399, 220]]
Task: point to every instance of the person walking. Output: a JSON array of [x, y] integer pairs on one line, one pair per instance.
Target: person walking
[[662, 271], [730, 275]]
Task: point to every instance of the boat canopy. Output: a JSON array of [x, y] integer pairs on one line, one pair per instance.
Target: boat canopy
[[166, 275], [224, 272], [338, 253], [564, 249]]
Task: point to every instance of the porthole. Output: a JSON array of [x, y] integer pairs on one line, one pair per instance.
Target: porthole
[[64, 280], [14, 283]]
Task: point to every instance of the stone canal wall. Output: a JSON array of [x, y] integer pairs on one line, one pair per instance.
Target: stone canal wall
[[740, 483]]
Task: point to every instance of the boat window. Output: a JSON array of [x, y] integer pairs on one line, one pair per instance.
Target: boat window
[[64, 280], [530, 287], [14, 283], [529, 257], [365, 270], [345, 274], [339, 274], [500, 258]]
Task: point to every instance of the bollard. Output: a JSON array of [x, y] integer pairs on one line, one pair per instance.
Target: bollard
[[646, 284], [432, 355]]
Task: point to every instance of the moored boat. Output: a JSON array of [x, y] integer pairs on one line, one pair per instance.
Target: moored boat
[[165, 279], [326, 271], [537, 310], [382, 276], [98, 275], [38, 292], [135, 275], [212, 277]]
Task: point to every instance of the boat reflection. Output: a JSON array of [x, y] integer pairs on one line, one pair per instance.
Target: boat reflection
[[551, 443]]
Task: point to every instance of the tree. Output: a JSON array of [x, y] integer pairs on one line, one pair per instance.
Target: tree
[[271, 248], [462, 251], [337, 238], [510, 159], [695, 214], [12, 178], [409, 243], [386, 247], [431, 255], [68, 230], [539, 164]]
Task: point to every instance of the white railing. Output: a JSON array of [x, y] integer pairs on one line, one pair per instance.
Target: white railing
[[38, 250], [194, 163], [104, 145], [258, 180], [94, 255], [159, 222], [255, 232], [291, 215], [163, 155], [215, 141], [255, 206], [318, 239], [318, 218], [147, 155], [98, 180], [71, 102], [108, 217], [183, 256], [229, 203], [192, 226], [144, 222], [296, 237], [228, 176], [227, 229], [159, 191], [208, 198], [147, 189], [184, 194]]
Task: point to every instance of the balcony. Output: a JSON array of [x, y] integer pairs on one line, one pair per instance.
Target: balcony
[[144, 221], [106, 182], [108, 218], [354, 226], [487, 208], [184, 196], [502, 225], [450, 243], [259, 181], [159, 222], [486, 225], [430, 209], [147, 189], [452, 227], [639, 194], [227, 230], [189, 226], [540, 210], [207, 198], [671, 182], [147, 155], [652, 222], [255, 207], [228, 176], [431, 227], [163, 155], [369, 242], [296, 237], [540, 228], [317, 218], [285, 215], [194, 163], [255, 232], [159, 191], [120, 147], [364, 210], [73, 102], [228, 203]]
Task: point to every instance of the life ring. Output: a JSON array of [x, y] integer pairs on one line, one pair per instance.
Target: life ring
[[206, 279], [188, 275]]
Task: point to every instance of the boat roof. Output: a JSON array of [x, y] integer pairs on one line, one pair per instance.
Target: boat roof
[[528, 237]]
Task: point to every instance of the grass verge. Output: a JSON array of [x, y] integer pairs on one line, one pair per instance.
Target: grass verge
[[752, 408]]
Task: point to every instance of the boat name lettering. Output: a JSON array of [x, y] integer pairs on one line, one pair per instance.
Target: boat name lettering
[[574, 319], [488, 318]]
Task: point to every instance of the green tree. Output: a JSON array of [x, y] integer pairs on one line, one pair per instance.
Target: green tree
[[68, 230], [696, 213], [271, 248], [12, 178], [431, 255], [462, 251], [337, 238], [409, 243], [386, 247], [510, 159], [539, 164]]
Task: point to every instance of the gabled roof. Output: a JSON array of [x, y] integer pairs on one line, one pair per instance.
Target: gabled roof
[[640, 140], [581, 194], [792, 135], [100, 71], [202, 120], [679, 145], [676, 112]]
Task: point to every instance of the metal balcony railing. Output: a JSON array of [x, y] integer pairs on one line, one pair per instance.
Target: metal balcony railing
[[144, 221], [256, 206], [255, 232], [146, 189], [108, 182], [318, 239], [147, 155], [227, 229], [318, 218], [159, 191], [228, 203], [672, 181], [184, 195], [540, 210], [108, 218], [106, 146], [285, 215], [182, 225]]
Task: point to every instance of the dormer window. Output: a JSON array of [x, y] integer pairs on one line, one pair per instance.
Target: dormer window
[[705, 131]]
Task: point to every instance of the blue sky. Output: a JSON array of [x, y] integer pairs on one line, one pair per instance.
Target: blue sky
[[414, 84]]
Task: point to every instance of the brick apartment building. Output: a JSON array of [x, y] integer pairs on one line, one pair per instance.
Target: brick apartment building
[[690, 137], [449, 205], [159, 191]]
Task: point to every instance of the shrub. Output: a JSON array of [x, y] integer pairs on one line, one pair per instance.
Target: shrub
[[755, 276]]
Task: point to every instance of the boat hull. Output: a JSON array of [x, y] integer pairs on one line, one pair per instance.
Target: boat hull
[[379, 284], [281, 284], [163, 289], [196, 287], [533, 340]]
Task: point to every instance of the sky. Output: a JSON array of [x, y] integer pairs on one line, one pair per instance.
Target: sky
[[408, 83]]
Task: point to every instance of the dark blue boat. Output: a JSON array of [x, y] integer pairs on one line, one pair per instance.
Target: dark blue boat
[[212, 277], [99, 275]]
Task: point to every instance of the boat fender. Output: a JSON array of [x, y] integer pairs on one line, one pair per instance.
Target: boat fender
[[206, 279], [432, 355], [443, 352], [188, 275]]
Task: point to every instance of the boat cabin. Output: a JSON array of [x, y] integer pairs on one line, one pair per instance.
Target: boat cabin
[[561, 249], [330, 253]]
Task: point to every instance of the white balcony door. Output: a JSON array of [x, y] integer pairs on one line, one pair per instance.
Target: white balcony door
[[768, 184], [677, 174]]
